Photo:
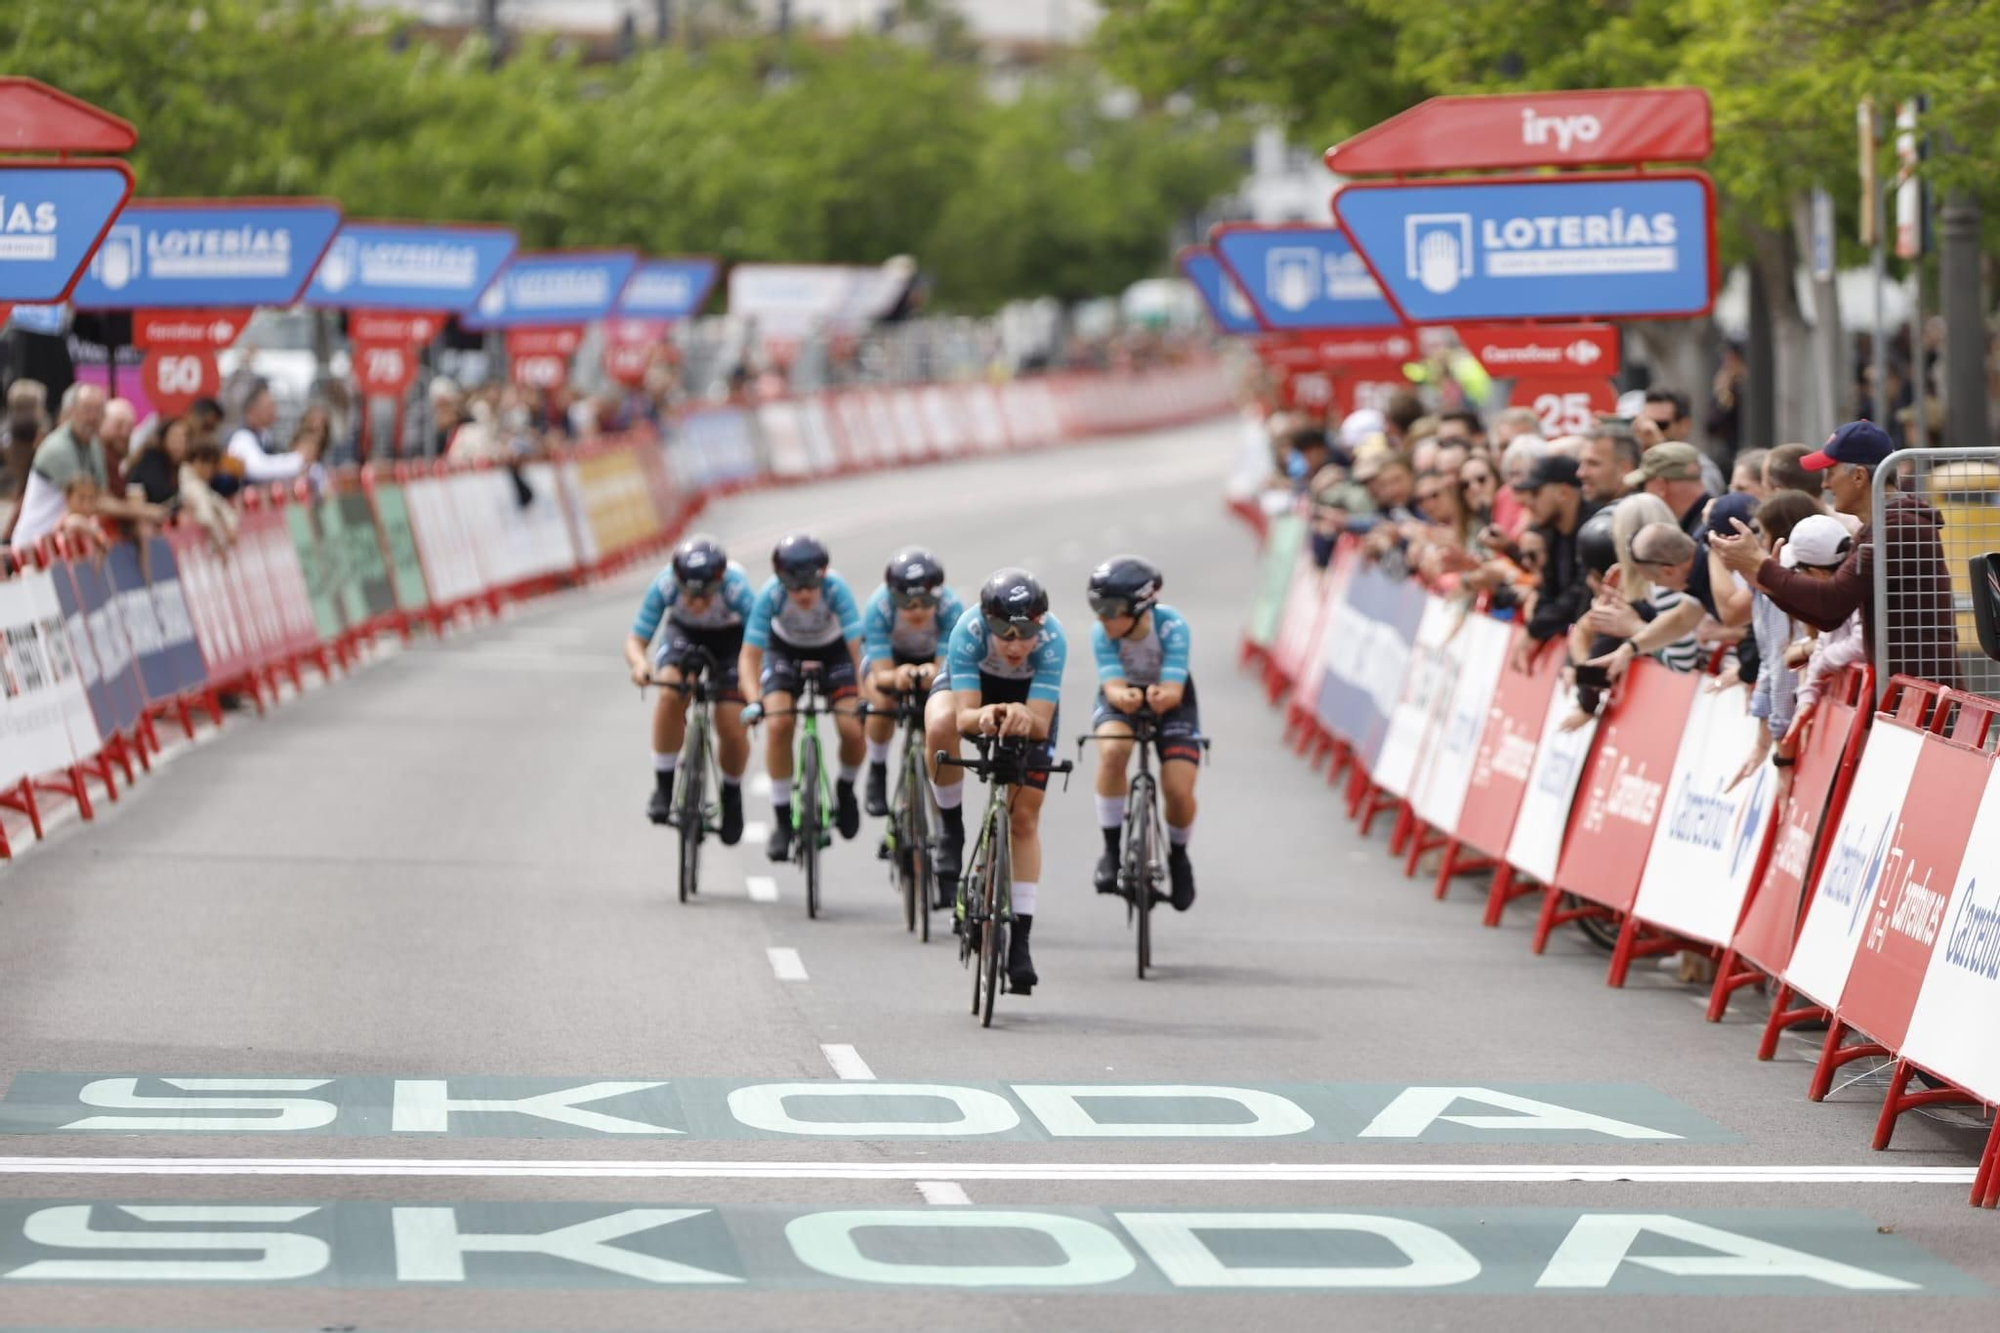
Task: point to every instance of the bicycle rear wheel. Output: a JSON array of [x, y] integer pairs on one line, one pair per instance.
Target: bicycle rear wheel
[[807, 805], [993, 941], [689, 815]]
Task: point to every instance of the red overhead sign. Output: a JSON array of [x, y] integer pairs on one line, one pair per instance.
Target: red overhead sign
[[1543, 349], [187, 328], [37, 118], [1555, 129], [394, 326], [540, 356], [1382, 352], [1566, 406], [175, 376]]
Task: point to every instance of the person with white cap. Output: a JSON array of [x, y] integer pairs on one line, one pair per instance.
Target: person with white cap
[[1816, 550]]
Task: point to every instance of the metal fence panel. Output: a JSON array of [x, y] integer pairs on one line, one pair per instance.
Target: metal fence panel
[[1923, 582]]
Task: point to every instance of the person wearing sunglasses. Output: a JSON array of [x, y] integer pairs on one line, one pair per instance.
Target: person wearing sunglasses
[[704, 598], [805, 613], [1005, 665], [902, 644], [1141, 648]]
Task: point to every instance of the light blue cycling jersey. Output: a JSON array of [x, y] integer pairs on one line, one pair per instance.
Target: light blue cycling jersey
[[828, 620], [974, 651], [663, 598], [884, 636], [1160, 658]]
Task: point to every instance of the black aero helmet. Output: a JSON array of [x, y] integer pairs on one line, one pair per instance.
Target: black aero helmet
[[913, 577], [1125, 585], [799, 560], [1013, 603], [1595, 546], [700, 564]]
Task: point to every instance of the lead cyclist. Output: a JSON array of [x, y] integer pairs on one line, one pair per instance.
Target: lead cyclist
[[1004, 665]]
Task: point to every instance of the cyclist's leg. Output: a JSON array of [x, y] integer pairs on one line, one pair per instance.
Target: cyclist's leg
[[669, 726], [779, 688], [880, 730], [1026, 849], [1180, 765], [1114, 757], [845, 692], [732, 739]]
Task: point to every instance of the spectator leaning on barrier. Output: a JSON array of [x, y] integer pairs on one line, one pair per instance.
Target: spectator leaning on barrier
[[1558, 509], [199, 499], [1817, 549], [155, 470], [250, 443], [1776, 684], [1649, 612], [71, 448], [115, 433], [1673, 472], [27, 422], [1922, 638]]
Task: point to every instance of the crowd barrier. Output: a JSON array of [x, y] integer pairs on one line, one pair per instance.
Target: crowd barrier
[[100, 649], [1854, 896]]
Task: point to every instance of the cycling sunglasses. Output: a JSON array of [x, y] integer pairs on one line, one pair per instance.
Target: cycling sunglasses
[[801, 580], [1109, 606], [907, 601], [702, 588], [1012, 630]]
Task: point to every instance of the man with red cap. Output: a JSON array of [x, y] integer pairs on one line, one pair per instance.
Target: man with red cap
[[1922, 638]]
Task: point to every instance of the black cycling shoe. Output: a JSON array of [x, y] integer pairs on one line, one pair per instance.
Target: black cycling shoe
[[660, 805], [1181, 871], [779, 845], [944, 895], [1106, 877], [1021, 978], [948, 861], [847, 816], [878, 790], [732, 813]]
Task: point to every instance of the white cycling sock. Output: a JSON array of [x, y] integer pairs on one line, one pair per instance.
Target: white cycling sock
[[848, 772], [781, 791], [1024, 897], [1110, 811], [949, 798], [878, 752], [1179, 836], [732, 781], [665, 763]]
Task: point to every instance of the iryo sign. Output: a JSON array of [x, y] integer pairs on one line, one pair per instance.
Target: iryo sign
[[1552, 129]]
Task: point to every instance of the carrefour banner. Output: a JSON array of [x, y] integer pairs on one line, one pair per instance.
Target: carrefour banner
[[208, 253]]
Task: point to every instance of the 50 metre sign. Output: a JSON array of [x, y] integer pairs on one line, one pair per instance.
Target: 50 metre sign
[[706, 1108]]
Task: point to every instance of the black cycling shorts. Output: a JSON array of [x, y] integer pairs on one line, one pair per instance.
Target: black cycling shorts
[[781, 668], [724, 647], [1176, 736]]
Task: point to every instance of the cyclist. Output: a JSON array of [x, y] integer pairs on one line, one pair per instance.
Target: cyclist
[[1005, 664], [704, 597], [1141, 648], [903, 637], [805, 613]]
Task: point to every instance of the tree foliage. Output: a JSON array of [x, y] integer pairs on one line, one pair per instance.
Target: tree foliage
[[746, 146]]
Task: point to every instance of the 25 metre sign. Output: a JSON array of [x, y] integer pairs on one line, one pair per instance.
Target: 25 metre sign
[[1607, 246]]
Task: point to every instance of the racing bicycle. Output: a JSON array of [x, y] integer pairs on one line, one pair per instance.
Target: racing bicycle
[[986, 891], [812, 790], [1142, 861], [912, 816], [698, 770]]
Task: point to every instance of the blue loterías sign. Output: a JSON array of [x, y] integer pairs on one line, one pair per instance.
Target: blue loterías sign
[[221, 252], [1606, 247], [1302, 277], [1227, 305], [50, 217], [397, 266], [669, 288], [554, 287]]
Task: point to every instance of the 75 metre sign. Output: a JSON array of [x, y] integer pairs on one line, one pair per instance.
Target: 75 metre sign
[[1606, 246]]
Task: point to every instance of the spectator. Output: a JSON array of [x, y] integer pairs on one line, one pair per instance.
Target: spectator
[[1461, 427], [27, 422], [1607, 456], [1510, 512], [1922, 638], [79, 520], [116, 435], [72, 447], [1747, 476], [1597, 552], [1480, 488], [1673, 472], [198, 496], [447, 404], [1656, 561], [1557, 508], [1405, 408], [1391, 484], [1725, 401], [156, 470], [1665, 420], [250, 445], [1771, 697], [1513, 423], [1784, 471], [1816, 550]]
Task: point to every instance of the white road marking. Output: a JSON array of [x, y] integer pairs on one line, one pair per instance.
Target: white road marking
[[945, 1192], [761, 888], [786, 964], [755, 831], [760, 785], [1250, 1173], [846, 1061]]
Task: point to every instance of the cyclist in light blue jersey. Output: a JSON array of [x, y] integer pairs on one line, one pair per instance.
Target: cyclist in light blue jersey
[[1141, 647], [805, 613], [903, 637], [703, 597], [1004, 678]]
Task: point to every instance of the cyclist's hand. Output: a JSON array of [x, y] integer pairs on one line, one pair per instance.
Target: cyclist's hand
[[1163, 699], [989, 719], [1016, 720], [1126, 698], [922, 674], [642, 675], [903, 678], [753, 713]]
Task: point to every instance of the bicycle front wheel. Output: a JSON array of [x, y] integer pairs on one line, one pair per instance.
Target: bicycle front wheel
[[693, 773], [807, 805], [923, 879], [1137, 871], [993, 941], [902, 863]]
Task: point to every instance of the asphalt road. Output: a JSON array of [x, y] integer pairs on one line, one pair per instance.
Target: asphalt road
[[312, 969]]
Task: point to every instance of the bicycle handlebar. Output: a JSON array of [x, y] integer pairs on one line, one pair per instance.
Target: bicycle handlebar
[[1004, 754], [1145, 730]]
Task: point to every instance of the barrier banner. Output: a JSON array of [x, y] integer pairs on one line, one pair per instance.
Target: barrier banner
[[1771, 922], [1282, 541], [33, 737], [76, 627], [113, 651], [276, 573], [857, 432], [943, 425], [823, 447], [133, 603], [1475, 658], [885, 431], [1298, 620], [1910, 903], [205, 577], [1028, 426], [325, 570], [65, 661], [723, 440], [450, 569], [988, 428], [186, 670], [1951, 1032], [1501, 766], [369, 590], [1623, 785], [1368, 659], [1705, 848], [917, 444], [1424, 687], [783, 429], [616, 504], [406, 570], [1550, 793], [1839, 903], [1328, 624]]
